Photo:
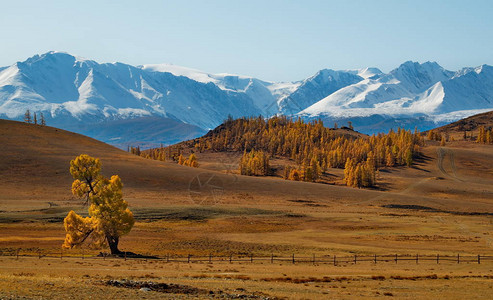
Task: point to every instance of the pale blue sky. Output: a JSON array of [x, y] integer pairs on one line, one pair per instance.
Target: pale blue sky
[[272, 40]]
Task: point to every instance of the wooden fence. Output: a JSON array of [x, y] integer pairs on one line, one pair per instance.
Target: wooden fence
[[293, 259]]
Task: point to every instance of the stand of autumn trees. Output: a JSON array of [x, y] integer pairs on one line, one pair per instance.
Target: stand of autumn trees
[[254, 163], [312, 147], [156, 154], [162, 153], [34, 119], [485, 136], [191, 161]]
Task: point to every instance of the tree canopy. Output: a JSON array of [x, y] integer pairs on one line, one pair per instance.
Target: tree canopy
[[109, 216]]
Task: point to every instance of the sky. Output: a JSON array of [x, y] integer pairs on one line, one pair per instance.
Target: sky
[[273, 40]]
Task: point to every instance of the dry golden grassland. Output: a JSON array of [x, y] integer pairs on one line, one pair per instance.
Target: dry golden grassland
[[83, 279], [443, 205]]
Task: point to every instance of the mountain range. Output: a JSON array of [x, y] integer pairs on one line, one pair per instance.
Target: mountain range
[[152, 104]]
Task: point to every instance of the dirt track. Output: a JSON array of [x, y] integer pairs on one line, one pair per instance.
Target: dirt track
[[441, 154]]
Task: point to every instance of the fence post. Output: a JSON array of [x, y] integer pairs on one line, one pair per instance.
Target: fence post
[[17, 254]]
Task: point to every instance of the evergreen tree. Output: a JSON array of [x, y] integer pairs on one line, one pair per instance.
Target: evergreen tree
[[308, 174], [409, 157], [390, 159], [181, 159], [294, 175], [315, 169], [481, 135], [27, 116], [43, 121], [192, 161], [350, 125]]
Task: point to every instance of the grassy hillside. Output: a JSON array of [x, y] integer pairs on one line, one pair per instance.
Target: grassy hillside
[[442, 204], [304, 151], [470, 124], [35, 164]]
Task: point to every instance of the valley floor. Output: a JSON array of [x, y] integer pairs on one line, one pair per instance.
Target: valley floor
[[443, 205], [52, 278]]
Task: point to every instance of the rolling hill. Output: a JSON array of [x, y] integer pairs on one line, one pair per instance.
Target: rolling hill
[[471, 123], [35, 159]]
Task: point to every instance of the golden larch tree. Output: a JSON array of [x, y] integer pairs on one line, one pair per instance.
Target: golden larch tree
[[27, 116], [294, 175], [181, 160], [109, 216]]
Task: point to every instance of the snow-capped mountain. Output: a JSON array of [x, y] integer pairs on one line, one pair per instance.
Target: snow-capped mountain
[[317, 87], [63, 84], [422, 95], [384, 94], [151, 104]]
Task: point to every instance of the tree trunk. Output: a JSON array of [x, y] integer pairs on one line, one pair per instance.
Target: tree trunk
[[113, 243]]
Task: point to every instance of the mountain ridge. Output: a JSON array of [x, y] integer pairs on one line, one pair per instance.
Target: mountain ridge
[[75, 92]]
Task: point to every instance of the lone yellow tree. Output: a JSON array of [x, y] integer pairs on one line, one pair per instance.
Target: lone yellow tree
[[109, 216]]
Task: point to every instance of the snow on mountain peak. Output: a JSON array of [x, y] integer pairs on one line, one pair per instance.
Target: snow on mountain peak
[[194, 74], [369, 72], [418, 77], [322, 84], [366, 72], [56, 57], [483, 68]]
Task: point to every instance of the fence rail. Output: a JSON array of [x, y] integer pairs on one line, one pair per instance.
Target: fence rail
[[293, 259]]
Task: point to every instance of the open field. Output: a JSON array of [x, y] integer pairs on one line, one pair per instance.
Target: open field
[[444, 205], [82, 279]]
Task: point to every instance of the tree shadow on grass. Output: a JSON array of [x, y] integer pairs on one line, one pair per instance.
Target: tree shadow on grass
[[128, 254]]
